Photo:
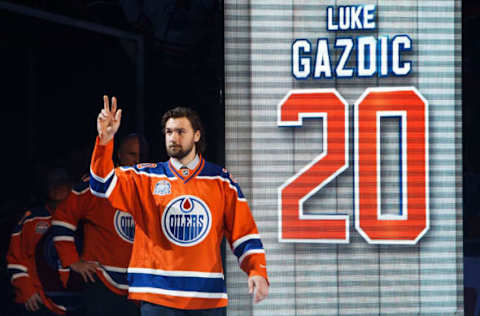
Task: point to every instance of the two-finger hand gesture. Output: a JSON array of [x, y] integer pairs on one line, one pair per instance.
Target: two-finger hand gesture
[[108, 121]]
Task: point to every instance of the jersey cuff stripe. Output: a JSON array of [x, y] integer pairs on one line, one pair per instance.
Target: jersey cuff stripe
[[103, 190], [64, 224], [252, 244], [64, 238], [62, 231], [112, 186], [36, 218], [243, 239], [248, 253], [115, 269], [177, 273], [17, 267], [182, 284], [18, 275], [60, 307], [100, 195], [117, 279], [100, 179], [100, 186], [191, 294], [80, 192]]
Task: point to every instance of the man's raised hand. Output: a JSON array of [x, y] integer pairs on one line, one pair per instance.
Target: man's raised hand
[[108, 121]]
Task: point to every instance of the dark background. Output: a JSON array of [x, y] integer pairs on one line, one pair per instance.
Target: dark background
[[471, 126], [58, 59], [471, 149]]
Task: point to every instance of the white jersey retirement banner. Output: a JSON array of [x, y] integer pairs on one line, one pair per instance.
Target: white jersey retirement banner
[[343, 128]]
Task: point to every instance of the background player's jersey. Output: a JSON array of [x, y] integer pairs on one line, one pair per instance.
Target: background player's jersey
[[107, 235], [21, 257], [181, 217]]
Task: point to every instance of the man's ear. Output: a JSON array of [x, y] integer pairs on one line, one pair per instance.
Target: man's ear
[[196, 136]]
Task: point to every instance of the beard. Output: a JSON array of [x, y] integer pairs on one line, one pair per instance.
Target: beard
[[176, 151]]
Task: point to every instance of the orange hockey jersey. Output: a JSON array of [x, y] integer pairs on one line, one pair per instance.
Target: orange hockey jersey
[[181, 218], [21, 258], [107, 235]]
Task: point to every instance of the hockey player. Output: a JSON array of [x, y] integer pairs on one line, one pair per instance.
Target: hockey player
[[108, 235], [21, 256], [182, 208]]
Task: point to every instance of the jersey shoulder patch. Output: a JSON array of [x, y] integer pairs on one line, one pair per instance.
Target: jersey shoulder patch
[[147, 169], [146, 165]]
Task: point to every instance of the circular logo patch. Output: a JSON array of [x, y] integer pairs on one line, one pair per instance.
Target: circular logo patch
[[162, 187], [186, 220], [124, 225]]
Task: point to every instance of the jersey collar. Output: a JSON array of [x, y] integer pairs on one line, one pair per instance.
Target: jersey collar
[[194, 168], [191, 165]]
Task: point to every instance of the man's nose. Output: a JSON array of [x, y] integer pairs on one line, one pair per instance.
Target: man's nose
[[174, 137]]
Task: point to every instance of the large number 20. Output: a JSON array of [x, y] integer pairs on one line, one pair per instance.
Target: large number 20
[[412, 223]]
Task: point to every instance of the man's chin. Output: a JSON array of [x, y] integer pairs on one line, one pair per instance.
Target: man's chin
[[176, 154]]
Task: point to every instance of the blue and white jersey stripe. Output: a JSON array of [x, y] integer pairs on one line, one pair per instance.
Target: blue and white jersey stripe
[[17, 230], [246, 246], [177, 283], [102, 187], [16, 271], [116, 276], [80, 187], [63, 231]]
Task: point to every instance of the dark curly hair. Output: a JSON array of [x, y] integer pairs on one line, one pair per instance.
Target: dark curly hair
[[195, 121]]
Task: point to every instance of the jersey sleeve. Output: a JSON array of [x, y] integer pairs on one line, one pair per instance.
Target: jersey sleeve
[[65, 222], [18, 263], [115, 184], [241, 231]]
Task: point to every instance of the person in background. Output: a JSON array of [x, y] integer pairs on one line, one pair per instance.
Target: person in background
[[21, 257], [108, 235]]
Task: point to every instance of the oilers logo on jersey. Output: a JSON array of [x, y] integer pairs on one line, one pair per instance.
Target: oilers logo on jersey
[[186, 220], [124, 225]]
